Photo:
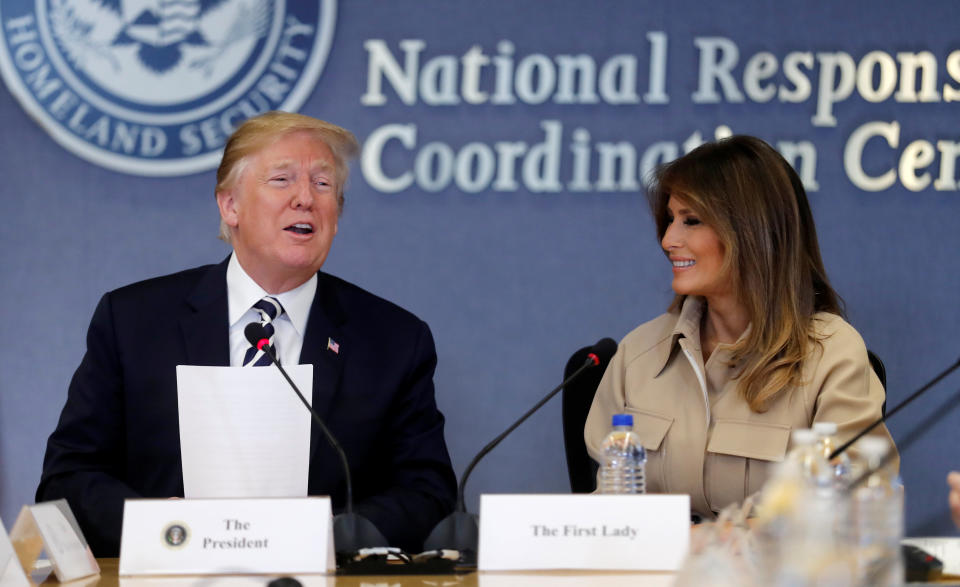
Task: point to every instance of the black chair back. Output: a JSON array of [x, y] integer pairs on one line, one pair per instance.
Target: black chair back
[[577, 399], [881, 372]]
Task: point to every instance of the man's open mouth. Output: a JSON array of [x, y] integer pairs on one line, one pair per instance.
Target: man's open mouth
[[300, 228]]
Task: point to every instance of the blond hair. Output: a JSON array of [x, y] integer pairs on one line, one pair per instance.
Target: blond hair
[[754, 200], [260, 132]]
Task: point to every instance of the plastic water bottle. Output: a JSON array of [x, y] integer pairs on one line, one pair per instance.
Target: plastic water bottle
[[827, 443], [878, 519], [801, 541], [624, 460], [808, 459]]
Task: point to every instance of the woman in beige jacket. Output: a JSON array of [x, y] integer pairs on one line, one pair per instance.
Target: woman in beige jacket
[[754, 344]]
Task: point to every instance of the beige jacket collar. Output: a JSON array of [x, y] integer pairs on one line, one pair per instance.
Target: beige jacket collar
[[687, 326]]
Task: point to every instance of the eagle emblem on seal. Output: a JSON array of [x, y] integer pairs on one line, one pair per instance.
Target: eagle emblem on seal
[[162, 34]]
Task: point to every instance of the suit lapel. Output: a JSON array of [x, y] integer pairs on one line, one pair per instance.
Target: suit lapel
[[206, 333], [323, 326]]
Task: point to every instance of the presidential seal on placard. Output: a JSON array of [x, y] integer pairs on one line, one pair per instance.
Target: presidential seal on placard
[[176, 535], [155, 87]]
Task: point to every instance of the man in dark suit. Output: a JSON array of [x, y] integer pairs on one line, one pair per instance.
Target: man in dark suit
[[280, 193]]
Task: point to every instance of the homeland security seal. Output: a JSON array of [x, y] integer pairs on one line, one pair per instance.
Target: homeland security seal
[[155, 87]]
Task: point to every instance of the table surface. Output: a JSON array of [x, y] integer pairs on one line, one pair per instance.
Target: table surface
[[108, 577]]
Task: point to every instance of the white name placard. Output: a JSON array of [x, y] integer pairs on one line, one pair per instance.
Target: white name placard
[[51, 526], [589, 532], [11, 573], [226, 536]]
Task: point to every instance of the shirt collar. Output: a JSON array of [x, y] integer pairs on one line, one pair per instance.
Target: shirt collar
[[687, 326], [243, 292]]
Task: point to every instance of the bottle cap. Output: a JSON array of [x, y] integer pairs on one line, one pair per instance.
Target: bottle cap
[[825, 428], [804, 436], [873, 448], [623, 420]]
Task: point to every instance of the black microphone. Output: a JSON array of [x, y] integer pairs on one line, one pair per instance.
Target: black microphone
[[351, 531], [890, 414], [460, 531]]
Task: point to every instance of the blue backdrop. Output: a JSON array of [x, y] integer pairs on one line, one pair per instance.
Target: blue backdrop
[[499, 198]]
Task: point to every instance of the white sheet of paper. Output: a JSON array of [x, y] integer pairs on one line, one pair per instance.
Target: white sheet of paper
[[243, 431]]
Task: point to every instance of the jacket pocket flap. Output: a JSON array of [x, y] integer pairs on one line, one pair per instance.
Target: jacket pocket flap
[[752, 440], [650, 427]]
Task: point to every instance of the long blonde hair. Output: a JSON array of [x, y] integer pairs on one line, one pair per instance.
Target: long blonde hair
[[748, 193]]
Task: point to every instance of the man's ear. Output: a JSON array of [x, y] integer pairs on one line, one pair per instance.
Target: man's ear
[[227, 203]]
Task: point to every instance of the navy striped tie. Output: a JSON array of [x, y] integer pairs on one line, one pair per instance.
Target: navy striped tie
[[268, 308]]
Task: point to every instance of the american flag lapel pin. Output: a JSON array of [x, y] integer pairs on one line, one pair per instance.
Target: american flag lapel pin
[[333, 345]]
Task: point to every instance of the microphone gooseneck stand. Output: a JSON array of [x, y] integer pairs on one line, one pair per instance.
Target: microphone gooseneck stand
[[351, 531], [460, 530]]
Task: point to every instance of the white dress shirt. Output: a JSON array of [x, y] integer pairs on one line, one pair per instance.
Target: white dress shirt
[[289, 328]]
